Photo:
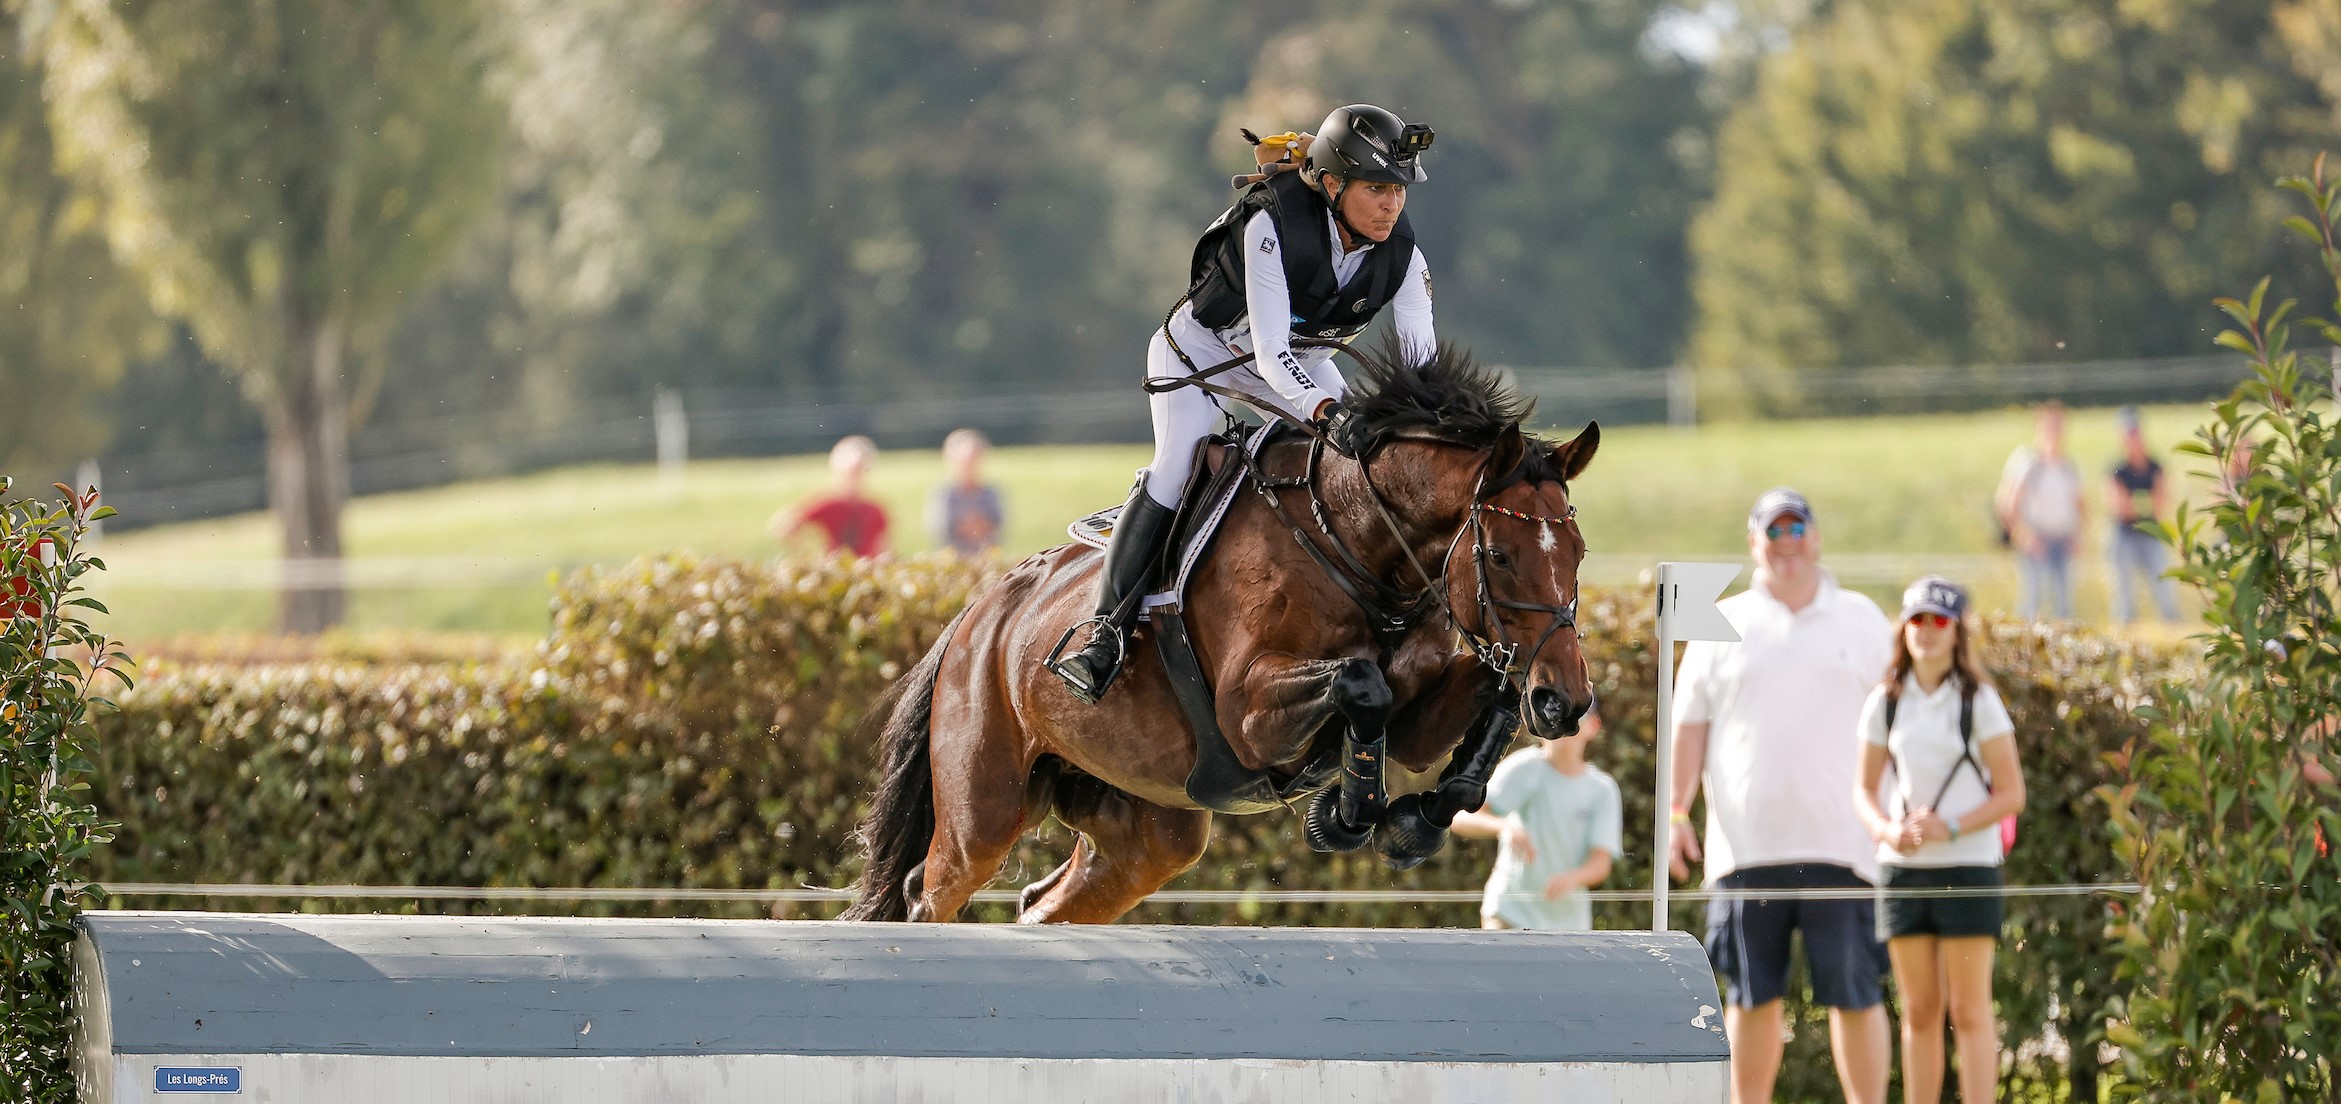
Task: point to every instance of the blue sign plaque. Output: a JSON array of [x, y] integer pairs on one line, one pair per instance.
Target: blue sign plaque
[[199, 1079]]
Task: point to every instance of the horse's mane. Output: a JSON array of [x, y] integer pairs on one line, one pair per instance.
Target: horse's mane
[[1446, 394]]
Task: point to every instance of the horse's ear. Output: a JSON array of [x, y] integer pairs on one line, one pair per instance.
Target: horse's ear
[[1572, 456], [1509, 450]]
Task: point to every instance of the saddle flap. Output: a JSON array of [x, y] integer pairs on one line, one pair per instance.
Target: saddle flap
[[1202, 507]]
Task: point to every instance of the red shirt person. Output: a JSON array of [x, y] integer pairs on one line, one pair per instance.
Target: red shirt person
[[848, 521]]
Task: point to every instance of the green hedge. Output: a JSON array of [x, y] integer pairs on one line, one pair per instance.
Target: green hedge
[[691, 724]]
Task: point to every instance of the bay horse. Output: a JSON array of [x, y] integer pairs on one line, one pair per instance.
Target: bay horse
[[1434, 603]]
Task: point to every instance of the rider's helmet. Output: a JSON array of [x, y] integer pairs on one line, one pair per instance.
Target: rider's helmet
[[1364, 142]]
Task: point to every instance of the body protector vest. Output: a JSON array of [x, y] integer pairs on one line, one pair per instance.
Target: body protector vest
[[1303, 228]]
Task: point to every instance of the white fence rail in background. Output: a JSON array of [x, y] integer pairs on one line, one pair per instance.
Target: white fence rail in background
[[181, 485], [423, 573]]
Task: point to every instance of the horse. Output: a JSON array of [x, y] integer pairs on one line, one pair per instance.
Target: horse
[[1434, 602]]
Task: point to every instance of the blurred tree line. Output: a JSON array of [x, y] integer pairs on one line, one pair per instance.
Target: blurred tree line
[[223, 219]]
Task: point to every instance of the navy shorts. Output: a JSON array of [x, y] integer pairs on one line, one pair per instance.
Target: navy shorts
[[1949, 916], [1748, 938]]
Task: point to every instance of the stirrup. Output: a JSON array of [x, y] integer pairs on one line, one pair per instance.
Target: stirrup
[[1057, 665]]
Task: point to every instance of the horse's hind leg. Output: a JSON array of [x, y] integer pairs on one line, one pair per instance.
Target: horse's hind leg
[[1127, 849], [984, 795]]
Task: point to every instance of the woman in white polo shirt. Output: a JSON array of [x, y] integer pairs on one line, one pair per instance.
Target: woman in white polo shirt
[[1940, 726]]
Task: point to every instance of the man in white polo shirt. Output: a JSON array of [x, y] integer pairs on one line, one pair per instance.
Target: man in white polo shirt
[[1771, 725]]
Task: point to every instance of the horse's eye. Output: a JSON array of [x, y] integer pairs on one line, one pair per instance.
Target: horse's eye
[[1496, 556]]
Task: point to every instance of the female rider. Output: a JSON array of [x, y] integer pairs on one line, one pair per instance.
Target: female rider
[[1318, 253]]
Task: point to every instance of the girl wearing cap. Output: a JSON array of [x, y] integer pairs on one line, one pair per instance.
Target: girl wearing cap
[[1312, 254], [1939, 724]]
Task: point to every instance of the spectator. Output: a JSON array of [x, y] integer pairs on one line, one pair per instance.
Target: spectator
[[2040, 506], [1769, 724], [964, 512], [1560, 822], [848, 521], [1938, 722], [2135, 499]]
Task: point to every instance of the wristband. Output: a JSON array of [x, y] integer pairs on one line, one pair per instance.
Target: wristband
[[1680, 815], [1953, 825]]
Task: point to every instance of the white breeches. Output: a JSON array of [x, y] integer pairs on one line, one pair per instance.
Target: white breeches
[[1183, 416]]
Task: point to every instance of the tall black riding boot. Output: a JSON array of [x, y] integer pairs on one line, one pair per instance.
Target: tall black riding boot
[[1129, 565]]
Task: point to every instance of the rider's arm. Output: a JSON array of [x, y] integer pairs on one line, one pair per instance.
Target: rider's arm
[[1411, 309], [1268, 302]]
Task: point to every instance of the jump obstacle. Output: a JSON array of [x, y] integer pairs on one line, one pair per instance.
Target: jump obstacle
[[456, 1010]]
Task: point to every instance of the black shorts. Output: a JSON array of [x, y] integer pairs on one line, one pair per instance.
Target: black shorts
[[1748, 938], [1947, 916]]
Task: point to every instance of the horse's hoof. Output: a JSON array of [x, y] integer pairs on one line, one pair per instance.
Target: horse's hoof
[[1324, 829], [1406, 837]]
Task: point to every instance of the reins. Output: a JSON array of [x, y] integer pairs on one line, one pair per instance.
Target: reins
[[1390, 611]]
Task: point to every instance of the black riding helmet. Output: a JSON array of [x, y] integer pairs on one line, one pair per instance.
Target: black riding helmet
[[1364, 142]]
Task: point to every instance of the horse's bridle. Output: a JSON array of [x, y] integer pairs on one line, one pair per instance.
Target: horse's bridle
[[1499, 653], [1390, 612]]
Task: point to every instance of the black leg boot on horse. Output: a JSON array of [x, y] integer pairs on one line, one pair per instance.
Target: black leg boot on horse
[[1130, 558]]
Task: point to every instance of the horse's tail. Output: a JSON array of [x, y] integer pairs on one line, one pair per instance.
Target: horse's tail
[[901, 824]]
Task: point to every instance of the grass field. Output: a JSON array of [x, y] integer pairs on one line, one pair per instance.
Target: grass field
[[1896, 496]]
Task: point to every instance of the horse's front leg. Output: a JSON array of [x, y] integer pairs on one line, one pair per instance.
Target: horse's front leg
[[1463, 786], [1286, 701]]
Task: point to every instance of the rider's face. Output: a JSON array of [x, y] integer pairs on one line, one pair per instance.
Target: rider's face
[[1372, 207]]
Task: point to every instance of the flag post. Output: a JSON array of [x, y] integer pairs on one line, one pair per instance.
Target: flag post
[[1686, 611]]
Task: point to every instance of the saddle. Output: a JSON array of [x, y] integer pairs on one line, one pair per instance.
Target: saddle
[[1220, 781]]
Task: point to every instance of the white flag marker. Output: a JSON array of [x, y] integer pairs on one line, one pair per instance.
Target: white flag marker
[[1686, 611]]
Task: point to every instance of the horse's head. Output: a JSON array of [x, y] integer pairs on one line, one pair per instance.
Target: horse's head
[[1512, 576], [1496, 499]]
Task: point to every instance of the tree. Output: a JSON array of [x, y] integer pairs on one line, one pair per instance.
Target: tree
[[1995, 182], [73, 318], [281, 174], [2231, 812], [1571, 153]]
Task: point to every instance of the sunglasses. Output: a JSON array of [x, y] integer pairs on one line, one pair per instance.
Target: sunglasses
[[1932, 620], [1792, 529]]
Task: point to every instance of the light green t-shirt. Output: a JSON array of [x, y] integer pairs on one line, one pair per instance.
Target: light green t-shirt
[[1566, 817]]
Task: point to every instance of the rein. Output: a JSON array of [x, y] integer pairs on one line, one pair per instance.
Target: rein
[[1390, 612]]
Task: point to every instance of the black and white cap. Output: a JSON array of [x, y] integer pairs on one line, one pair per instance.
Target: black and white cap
[[1934, 594]]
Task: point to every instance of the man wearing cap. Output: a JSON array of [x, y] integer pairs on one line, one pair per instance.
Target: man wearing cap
[[1770, 725]]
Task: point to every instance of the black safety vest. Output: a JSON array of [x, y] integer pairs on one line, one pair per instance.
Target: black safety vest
[[1319, 309]]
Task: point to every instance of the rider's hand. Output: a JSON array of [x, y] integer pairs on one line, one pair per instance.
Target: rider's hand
[[1324, 412], [1686, 852]]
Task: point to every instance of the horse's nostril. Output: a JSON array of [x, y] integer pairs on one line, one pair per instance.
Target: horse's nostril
[[1547, 707]]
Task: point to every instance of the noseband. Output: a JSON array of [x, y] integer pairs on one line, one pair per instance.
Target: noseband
[[1390, 612]]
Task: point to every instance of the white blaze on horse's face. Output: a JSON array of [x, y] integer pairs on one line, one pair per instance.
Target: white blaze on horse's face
[[1544, 536]]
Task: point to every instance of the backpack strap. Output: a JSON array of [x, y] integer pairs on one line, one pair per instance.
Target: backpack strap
[[1966, 744]]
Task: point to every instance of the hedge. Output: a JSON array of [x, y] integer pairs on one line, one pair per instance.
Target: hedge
[[691, 723]]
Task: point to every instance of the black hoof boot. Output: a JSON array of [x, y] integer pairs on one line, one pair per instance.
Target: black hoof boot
[[1406, 837], [1324, 829]]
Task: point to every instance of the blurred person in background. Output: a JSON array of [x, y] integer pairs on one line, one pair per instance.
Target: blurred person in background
[[1770, 725], [1560, 822], [847, 520], [2041, 505], [1316, 248], [964, 511], [1938, 723], [2136, 497]]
